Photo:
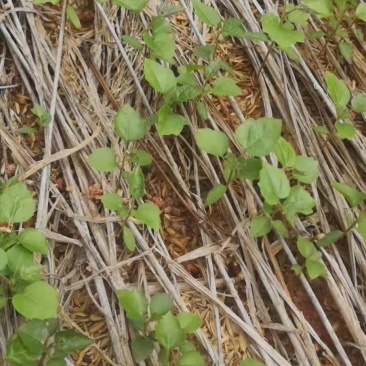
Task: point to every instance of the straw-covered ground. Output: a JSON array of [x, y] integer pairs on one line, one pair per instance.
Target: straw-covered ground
[[250, 301]]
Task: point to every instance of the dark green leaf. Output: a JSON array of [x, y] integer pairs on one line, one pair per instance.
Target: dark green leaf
[[212, 141], [189, 322], [142, 348], [148, 214], [34, 241], [249, 168], [136, 182], [330, 238], [346, 50], [260, 226], [206, 13], [352, 195], [216, 65], [182, 94], [3, 259], [215, 194], [187, 347], [160, 304], [225, 86], [18, 354], [68, 341], [338, 91], [202, 110], [103, 159], [168, 332]]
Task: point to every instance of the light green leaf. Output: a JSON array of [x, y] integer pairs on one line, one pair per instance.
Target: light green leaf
[[225, 86], [361, 228], [73, 17], [322, 7], [189, 322], [258, 137], [134, 5], [136, 182], [141, 157], [256, 36], [19, 257], [338, 91], [18, 354], [352, 195], [280, 228], [167, 10], [346, 50], [44, 118], [133, 42], [68, 341], [202, 110], [112, 201], [129, 239], [170, 123], [187, 78], [297, 16], [58, 361], [206, 13], [359, 102], [361, 12], [204, 52], [315, 269], [160, 304], [285, 153], [160, 25], [16, 204], [3, 259], [168, 332], [38, 301], [297, 269], [161, 44], [142, 348], [159, 77], [34, 241], [216, 65], [233, 27], [135, 305], [250, 362], [273, 183], [330, 238], [212, 141], [215, 194], [283, 34], [345, 130], [129, 125], [322, 130], [249, 168], [40, 2], [192, 358], [148, 214], [305, 247], [103, 159], [298, 201], [305, 169], [260, 226], [27, 130], [187, 347], [163, 357], [182, 94]]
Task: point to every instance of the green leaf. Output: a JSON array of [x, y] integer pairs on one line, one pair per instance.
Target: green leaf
[[305, 169], [315, 269], [285, 153], [225, 86], [256, 36], [250, 362], [359, 103], [136, 182], [187, 78], [141, 157], [27, 130], [297, 16], [57, 361], [233, 27], [163, 357], [361, 228], [192, 358], [204, 52], [19, 257], [112, 201], [259, 137], [160, 25], [3, 259], [73, 17], [44, 118], [202, 110], [129, 125], [30, 274], [103, 159], [346, 50], [280, 228], [215, 194], [148, 214], [34, 241], [361, 12], [352, 195], [142, 348], [345, 130], [160, 304], [298, 201], [338, 91], [16, 204], [273, 183], [305, 247], [282, 34], [162, 79], [322, 130], [18, 354], [322, 7], [216, 65], [135, 305], [170, 123], [168, 332], [248, 168], [182, 94], [134, 5], [330, 238], [68, 341], [212, 141], [38, 301], [260, 226], [189, 322], [167, 10], [187, 347], [129, 239], [34, 334], [161, 44], [133, 42], [40, 2], [297, 269], [206, 13]]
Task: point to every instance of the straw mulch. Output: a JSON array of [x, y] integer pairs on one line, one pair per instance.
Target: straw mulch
[[250, 302]]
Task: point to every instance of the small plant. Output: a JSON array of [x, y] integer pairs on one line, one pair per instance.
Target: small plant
[[155, 323]]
